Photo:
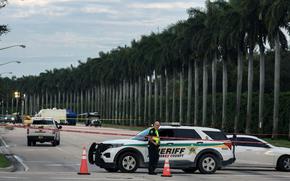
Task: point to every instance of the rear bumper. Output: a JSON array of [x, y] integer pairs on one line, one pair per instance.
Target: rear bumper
[[41, 138]]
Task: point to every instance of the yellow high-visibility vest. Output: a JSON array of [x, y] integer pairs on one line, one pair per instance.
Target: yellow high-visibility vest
[[156, 138]]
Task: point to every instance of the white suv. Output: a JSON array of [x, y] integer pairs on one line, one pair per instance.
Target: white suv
[[43, 130], [188, 148]]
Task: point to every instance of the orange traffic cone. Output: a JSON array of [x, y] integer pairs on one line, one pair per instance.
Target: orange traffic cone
[[166, 169], [84, 164]]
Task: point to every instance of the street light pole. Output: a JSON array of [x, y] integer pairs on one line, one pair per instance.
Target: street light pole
[[5, 73], [22, 46], [9, 62]]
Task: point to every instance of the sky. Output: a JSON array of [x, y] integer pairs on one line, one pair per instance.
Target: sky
[[59, 33]]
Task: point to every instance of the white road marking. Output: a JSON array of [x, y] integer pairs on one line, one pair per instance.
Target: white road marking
[[26, 168]]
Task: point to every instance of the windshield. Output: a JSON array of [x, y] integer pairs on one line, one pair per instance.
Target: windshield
[[141, 136]]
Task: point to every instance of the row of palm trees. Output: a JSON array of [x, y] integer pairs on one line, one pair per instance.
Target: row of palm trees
[[222, 33]]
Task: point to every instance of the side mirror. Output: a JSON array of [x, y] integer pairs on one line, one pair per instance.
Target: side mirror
[[59, 127], [146, 138]]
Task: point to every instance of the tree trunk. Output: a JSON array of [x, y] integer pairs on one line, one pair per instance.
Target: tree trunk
[[261, 89], [250, 92], [161, 97], [196, 93], [82, 102], [149, 101], [155, 95], [173, 96], [166, 96], [213, 89], [276, 86], [131, 103], [225, 92], [124, 103], [239, 90], [145, 102], [204, 92], [136, 103], [139, 100], [189, 93], [181, 95]]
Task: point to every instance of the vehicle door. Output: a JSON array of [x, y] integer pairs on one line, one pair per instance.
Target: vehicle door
[[178, 145], [253, 152]]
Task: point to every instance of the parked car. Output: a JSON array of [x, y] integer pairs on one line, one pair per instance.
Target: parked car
[[43, 130], [254, 152], [188, 148], [93, 119]]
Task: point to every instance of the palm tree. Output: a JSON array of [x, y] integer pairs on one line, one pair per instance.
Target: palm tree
[[277, 17]]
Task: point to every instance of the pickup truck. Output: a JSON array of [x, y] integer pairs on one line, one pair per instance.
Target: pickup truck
[[43, 130]]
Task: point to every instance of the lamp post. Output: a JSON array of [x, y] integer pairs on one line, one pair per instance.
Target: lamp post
[[22, 46], [9, 62], [16, 96], [5, 73]]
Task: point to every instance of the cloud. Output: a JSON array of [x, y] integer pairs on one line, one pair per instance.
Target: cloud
[[163, 5], [45, 3], [98, 9]]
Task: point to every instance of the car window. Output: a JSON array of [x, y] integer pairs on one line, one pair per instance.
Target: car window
[[42, 122], [216, 135], [142, 135], [249, 142], [166, 134], [178, 134]]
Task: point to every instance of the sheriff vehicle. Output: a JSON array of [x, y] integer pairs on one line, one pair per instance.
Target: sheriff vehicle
[[188, 148]]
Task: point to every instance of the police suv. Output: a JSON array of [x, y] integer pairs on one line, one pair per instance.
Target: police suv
[[187, 148]]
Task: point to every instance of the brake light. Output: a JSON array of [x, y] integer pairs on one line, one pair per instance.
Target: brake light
[[229, 144]]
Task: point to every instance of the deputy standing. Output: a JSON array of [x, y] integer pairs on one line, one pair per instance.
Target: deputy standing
[[153, 145]]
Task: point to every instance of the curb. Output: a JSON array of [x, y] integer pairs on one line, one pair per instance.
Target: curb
[[6, 153], [10, 168]]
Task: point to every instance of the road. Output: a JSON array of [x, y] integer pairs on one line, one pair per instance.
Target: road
[[44, 162]]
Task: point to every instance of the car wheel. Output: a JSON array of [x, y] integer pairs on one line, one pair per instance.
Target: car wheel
[[111, 169], [207, 164], [128, 162], [284, 164], [28, 142], [189, 170], [54, 143], [91, 153]]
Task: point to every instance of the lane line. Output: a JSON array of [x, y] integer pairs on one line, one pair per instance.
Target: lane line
[[26, 168]]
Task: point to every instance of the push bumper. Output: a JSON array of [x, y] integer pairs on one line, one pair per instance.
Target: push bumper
[[95, 153]]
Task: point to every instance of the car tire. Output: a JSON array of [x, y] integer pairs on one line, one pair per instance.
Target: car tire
[[284, 164], [28, 142], [112, 169], [128, 162], [207, 164], [189, 170], [54, 142], [91, 153]]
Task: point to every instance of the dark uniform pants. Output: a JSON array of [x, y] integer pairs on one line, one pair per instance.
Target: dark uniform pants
[[153, 157]]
